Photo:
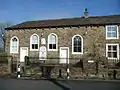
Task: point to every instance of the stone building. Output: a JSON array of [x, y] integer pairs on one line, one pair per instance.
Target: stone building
[[65, 40]]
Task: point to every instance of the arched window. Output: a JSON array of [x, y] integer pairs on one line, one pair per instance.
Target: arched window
[[52, 42], [34, 42], [14, 45], [77, 44]]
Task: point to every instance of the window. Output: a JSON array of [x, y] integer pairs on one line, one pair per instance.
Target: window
[[14, 45], [34, 42], [112, 32], [77, 44], [52, 42], [112, 51]]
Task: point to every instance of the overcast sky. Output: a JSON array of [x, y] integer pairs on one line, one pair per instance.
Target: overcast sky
[[17, 11]]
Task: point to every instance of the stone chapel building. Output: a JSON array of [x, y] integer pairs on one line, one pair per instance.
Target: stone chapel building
[[65, 40]]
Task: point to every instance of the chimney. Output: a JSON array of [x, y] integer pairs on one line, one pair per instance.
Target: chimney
[[86, 13]]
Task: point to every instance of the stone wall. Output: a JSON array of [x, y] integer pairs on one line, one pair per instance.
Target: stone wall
[[92, 36], [4, 69]]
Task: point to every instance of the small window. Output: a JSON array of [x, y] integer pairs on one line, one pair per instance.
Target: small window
[[112, 32], [14, 46], [77, 44], [112, 51], [34, 42], [52, 42]]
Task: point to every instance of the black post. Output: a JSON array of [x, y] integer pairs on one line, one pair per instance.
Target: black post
[[96, 67], [114, 73], [42, 70], [82, 66], [60, 73]]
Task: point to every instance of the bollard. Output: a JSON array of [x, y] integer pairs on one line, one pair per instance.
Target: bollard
[[18, 71], [68, 73]]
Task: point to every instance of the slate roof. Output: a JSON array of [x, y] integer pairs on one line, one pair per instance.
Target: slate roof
[[67, 22]]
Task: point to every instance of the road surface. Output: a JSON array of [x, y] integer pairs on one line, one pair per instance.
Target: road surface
[[14, 84], [92, 85], [17, 84]]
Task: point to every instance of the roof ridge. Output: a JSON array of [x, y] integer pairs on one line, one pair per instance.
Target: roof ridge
[[77, 17], [70, 18], [91, 20]]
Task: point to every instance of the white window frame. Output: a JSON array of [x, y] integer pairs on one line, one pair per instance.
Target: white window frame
[[31, 43], [73, 44], [11, 44], [117, 51], [56, 42], [107, 31]]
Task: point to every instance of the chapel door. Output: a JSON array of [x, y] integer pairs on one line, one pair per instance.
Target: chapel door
[[64, 55], [23, 53]]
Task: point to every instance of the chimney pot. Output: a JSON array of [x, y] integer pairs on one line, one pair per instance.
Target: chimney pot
[[86, 13]]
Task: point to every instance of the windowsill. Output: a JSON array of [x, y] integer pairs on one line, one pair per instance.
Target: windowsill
[[34, 49], [52, 50], [77, 52], [14, 52], [112, 58], [111, 38]]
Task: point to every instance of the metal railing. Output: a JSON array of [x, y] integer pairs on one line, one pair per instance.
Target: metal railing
[[56, 60]]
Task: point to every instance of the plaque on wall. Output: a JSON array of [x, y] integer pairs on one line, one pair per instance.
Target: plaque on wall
[[42, 53], [43, 41]]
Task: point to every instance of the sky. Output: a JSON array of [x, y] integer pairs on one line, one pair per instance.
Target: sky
[[17, 11]]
